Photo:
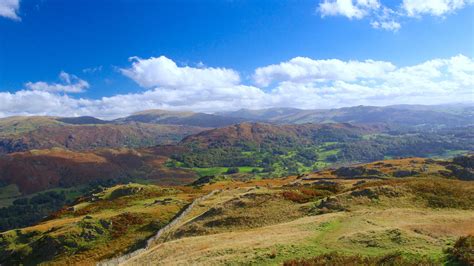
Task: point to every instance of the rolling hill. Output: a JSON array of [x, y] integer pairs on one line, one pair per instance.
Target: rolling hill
[[304, 147], [180, 118], [38, 170], [398, 116], [26, 133], [48, 179], [326, 215], [153, 127]]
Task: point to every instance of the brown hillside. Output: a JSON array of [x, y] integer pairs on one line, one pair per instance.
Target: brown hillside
[[259, 132], [84, 137], [38, 170]]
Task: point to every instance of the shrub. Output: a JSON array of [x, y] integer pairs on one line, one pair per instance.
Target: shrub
[[463, 251], [305, 194], [232, 170], [122, 222], [335, 258], [444, 193], [22, 201], [295, 196]]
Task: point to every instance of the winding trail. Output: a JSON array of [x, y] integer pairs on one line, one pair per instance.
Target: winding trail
[[156, 237]]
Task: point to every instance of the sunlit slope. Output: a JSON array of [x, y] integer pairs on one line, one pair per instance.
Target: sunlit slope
[[412, 209], [103, 225], [417, 216]]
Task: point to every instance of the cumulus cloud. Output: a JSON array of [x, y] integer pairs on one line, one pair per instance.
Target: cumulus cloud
[[303, 70], [416, 8], [164, 72], [352, 9], [300, 82], [434, 81], [9, 9], [383, 17], [391, 25], [70, 83]]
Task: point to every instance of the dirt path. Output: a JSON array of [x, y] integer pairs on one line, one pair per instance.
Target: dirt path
[[155, 239]]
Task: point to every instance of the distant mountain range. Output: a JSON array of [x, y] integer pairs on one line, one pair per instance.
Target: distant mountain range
[[180, 118], [84, 133], [155, 127], [397, 115]]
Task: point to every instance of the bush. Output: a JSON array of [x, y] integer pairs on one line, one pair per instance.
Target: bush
[[444, 193], [232, 170], [335, 258], [463, 251], [305, 194], [22, 201]]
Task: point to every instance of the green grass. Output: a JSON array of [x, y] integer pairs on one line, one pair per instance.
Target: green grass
[[213, 171], [115, 223], [18, 125], [323, 153], [248, 169], [327, 240], [8, 194], [321, 165], [209, 171]]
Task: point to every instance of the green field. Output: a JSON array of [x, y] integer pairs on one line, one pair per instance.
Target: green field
[[213, 171], [8, 194]]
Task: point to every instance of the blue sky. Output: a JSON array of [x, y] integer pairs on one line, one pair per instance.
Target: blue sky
[[73, 57]]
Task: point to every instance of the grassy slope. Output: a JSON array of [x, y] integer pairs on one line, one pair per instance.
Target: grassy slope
[[102, 226], [269, 221], [418, 217], [18, 125], [8, 194], [310, 236]]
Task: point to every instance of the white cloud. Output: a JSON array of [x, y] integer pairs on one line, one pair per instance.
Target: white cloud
[[303, 69], [301, 82], [387, 19], [431, 82], [391, 25], [9, 9], [92, 69], [163, 72], [348, 8], [383, 17], [416, 8], [70, 83]]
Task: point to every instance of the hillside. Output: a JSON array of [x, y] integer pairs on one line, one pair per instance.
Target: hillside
[[55, 177], [180, 118], [153, 127], [267, 221], [107, 222], [24, 124], [260, 133], [295, 149], [26, 133], [398, 116], [38, 170]]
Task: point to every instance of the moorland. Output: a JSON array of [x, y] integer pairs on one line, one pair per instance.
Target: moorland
[[367, 185]]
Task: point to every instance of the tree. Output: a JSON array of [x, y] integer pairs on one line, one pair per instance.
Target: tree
[[232, 170]]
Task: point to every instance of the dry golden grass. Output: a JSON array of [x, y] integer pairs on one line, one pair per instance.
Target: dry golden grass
[[266, 183], [309, 236]]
